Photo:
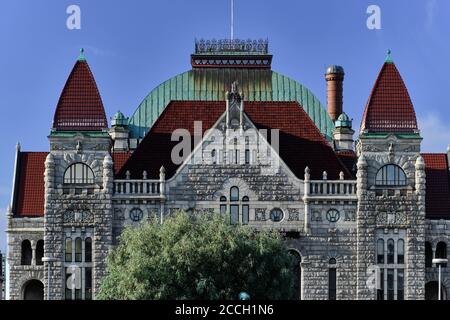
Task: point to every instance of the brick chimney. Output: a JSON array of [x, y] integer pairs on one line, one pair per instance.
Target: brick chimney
[[335, 81]]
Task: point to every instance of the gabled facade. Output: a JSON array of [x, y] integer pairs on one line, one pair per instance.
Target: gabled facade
[[233, 136]]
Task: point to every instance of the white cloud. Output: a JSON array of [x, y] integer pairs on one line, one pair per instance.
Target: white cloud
[[435, 132]]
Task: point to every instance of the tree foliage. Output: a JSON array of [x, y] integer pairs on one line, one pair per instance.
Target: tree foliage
[[197, 258]]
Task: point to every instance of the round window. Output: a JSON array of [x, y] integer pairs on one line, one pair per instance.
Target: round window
[[136, 215], [333, 215], [276, 215]]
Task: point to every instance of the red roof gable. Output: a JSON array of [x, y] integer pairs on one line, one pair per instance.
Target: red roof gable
[[80, 107], [389, 108], [30, 189], [438, 187], [301, 143], [30, 183]]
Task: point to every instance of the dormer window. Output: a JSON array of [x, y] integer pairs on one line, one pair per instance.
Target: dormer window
[[79, 173], [391, 176]]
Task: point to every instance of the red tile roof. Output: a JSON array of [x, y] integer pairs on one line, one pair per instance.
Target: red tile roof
[[389, 108], [349, 159], [119, 159], [30, 189], [80, 107], [438, 187], [301, 143]]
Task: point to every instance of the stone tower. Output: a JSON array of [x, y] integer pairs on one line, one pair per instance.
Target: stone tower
[[78, 190], [391, 194]]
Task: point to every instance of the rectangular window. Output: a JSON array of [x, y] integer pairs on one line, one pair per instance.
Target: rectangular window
[[247, 156], [380, 290], [236, 157], [88, 284], [400, 284], [390, 284], [332, 284], [245, 214], [68, 290], [234, 211], [223, 209]]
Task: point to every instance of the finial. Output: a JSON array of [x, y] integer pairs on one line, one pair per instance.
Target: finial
[[81, 57], [388, 57]]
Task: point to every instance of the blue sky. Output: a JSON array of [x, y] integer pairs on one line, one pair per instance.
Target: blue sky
[[134, 45]]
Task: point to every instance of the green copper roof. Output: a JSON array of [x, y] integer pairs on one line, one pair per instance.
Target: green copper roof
[[119, 120], [343, 121], [210, 84], [388, 57]]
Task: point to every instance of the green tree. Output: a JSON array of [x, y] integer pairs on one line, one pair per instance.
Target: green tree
[[198, 258]]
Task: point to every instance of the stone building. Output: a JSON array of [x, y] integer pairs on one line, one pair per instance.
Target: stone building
[[363, 219]]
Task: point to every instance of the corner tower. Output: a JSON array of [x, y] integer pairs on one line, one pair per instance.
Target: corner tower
[[391, 192], [78, 190]]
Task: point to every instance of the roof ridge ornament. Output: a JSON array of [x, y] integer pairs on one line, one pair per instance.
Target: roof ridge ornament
[[388, 57], [81, 57]]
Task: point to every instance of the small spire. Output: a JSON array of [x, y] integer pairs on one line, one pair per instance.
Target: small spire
[[388, 57], [81, 57]]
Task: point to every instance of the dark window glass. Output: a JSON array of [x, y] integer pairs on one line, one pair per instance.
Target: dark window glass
[[39, 252], [136, 215], [223, 199], [332, 261], [400, 284], [245, 214], [88, 250], [428, 255], [234, 194], [234, 213], [88, 284], [68, 291], [247, 156], [391, 175], [441, 252], [390, 251], [380, 291], [332, 284], [245, 199], [276, 215], [390, 284], [214, 156], [380, 251], [223, 209], [78, 250], [401, 252], [68, 250], [27, 253], [79, 173]]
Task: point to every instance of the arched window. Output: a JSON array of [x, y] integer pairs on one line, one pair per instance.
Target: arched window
[[223, 205], [78, 250], [390, 251], [27, 253], [428, 255], [332, 288], [68, 250], [380, 251], [79, 173], [297, 272], [88, 250], [391, 175], [39, 252], [34, 290], [400, 252], [234, 194], [441, 251]]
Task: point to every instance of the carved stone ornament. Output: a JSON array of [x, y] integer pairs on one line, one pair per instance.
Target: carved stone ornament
[[260, 214], [294, 214], [78, 217]]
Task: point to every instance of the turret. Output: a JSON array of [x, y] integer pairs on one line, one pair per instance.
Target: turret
[[119, 132]]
